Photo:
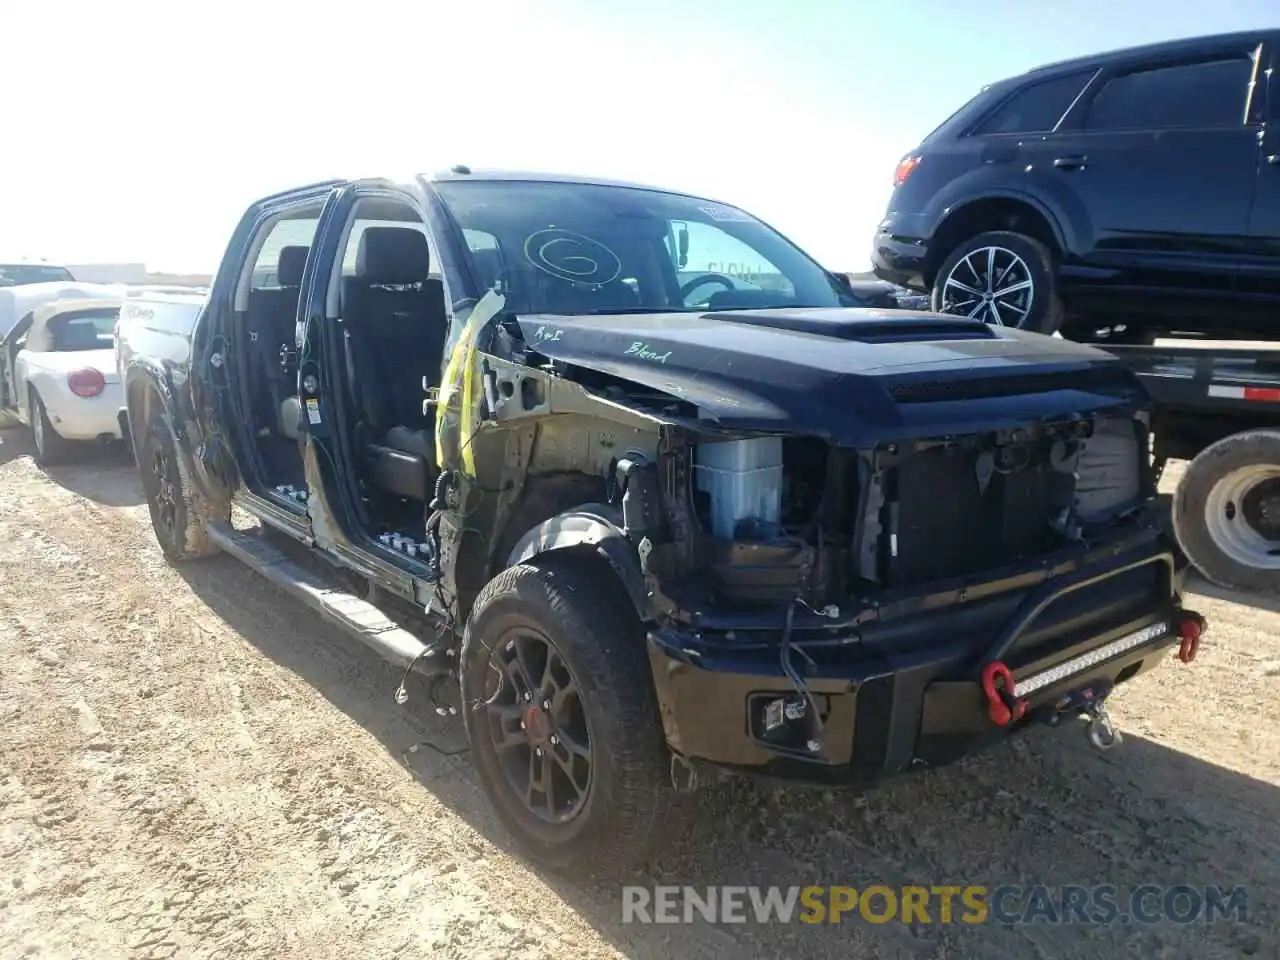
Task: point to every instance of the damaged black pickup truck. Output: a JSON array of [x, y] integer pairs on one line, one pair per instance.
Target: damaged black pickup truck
[[655, 489]]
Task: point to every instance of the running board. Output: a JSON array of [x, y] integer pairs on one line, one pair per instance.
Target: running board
[[356, 616]]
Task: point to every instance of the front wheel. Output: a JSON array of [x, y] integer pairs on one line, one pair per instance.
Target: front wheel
[[1002, 278], [562, 716]]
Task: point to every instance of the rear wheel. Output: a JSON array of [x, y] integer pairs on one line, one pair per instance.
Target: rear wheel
[[1226, 511], [50, 446], [562, 716], [1002, 278], [178, 514]]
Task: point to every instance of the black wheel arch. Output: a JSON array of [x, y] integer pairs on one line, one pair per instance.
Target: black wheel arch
[[590, 529], [150, 392], [1020, 213]]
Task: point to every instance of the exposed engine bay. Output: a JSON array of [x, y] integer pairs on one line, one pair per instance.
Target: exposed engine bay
[[760, 521]]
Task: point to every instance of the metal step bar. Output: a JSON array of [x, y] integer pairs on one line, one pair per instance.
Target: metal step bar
[[356, 616]]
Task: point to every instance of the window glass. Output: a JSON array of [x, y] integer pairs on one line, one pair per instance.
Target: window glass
[[15, 274], [579, 248], [294, 232], [1037, 108], [712, 251], [1210, 94], [83, 331]]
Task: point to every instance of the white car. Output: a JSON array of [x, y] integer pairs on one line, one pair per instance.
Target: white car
[[58, 375]]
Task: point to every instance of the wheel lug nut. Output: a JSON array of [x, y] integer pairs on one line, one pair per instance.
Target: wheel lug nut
[[528, 697], [537, 751], [554, 740], [521, 724], [546, 704]]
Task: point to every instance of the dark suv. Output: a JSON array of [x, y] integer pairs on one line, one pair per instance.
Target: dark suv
[[1137, 187]]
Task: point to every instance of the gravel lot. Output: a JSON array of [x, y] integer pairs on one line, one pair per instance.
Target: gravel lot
[[193, 765]]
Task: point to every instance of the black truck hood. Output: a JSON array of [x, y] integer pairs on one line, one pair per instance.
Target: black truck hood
[[853, 376]]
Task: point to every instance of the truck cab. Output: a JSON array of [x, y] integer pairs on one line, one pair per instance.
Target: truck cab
[[527, 434]]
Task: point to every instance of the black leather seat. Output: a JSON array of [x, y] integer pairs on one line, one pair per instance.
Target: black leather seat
[[271, 324], [396, 329]]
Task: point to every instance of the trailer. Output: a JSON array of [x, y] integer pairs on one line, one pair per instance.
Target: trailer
[[1218, 407]]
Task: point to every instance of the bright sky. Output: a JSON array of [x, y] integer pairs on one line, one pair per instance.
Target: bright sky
[[139, 131]]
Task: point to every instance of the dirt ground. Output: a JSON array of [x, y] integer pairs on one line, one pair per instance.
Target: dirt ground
[[193, 765]]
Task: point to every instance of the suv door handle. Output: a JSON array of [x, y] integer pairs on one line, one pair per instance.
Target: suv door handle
[[1071, 163]]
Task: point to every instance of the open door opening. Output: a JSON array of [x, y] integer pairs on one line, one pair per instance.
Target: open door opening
[[265, 336], [392, 324]]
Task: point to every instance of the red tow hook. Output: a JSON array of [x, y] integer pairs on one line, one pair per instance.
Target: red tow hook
[[1190, 629], [1002, 706]]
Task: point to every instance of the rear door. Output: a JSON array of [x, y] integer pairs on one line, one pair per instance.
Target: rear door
[[217, 402], [1153, 168]]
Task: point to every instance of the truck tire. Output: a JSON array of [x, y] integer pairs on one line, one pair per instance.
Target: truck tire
[[581, 786], [179, 516], [1017, 259], [1226, 511], [50, 447]]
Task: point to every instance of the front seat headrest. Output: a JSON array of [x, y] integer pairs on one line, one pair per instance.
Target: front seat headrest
[[393, 255], [289, 266]]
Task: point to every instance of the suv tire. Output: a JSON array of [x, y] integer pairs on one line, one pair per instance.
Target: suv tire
[[179, 515], [568, 624], [1018, 259]]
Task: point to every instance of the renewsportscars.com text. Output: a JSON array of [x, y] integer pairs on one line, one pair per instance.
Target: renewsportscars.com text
[[970, 904]]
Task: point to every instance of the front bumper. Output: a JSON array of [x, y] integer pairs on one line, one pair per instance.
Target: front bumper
[[908, 693]]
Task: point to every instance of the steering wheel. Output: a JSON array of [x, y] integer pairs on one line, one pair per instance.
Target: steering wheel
[[702, 278]]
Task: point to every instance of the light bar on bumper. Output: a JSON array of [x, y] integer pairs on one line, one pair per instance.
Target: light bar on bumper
[[1068, 668]]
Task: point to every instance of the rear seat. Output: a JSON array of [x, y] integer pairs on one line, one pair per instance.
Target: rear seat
[[271, 324], [397, 324]]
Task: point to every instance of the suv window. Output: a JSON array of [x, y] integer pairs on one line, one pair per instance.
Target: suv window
[[1207, 94], [1037, 108]]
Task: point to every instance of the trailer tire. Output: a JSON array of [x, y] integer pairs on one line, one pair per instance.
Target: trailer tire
[[574, 609], [179, 515], [1212, 512]]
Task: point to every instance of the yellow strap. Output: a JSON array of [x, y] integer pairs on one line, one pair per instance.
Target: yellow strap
[[464, 355]]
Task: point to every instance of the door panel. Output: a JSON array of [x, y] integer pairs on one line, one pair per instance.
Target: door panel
[[219, 350], [1161, 162], [12, 397]]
